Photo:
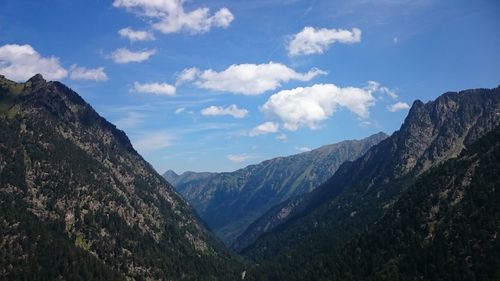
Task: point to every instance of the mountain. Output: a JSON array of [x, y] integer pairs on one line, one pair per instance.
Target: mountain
[[170, 176], [318, 224], [443, 227], [230, 202], [77, 202]]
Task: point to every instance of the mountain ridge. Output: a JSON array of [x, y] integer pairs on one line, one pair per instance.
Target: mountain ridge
[[228, 202], [360, 191]]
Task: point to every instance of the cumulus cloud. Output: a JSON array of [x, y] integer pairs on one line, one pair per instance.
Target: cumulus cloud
[[247, 79], [304, 149], [136, 35], [82, 73], [154, 88], [153, 141], [232, 110], [21, 62], [171, 17], [316, 41], [308, 106], [264, 128], [398, 106], [124, 55], [180, 110]]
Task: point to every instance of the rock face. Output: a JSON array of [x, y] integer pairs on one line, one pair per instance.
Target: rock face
[[77, 200], [319, 223], [230, 202]]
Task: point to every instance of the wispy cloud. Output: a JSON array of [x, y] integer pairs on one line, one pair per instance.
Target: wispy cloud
[[83, 73], [238, 158], [153, 141], [136, 35], [130, 121], [303, 149], [232, 110], [163, 89], [180, 110], [124, 55]]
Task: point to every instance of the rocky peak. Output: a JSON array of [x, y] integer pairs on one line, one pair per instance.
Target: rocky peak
[[36, 80], [438, 130]]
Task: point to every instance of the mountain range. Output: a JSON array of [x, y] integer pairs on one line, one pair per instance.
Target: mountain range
[[77, 202], [230, 202]]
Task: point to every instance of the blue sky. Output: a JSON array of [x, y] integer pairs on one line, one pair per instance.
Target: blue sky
[[218, 85]]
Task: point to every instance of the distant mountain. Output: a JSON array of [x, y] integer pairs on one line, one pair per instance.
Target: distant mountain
[[310, 230], [170, 176], [230, 202], [78, 203]]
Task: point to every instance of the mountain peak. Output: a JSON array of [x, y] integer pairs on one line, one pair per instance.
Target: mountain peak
[[170, 176], [36, 80]]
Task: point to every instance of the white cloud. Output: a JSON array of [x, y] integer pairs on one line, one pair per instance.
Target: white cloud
[[82, 73], [171, 16], [238, 158], [316, 41], [375, 86], [21, 62], [232, 110], [124, 55], [310, 105], [247, 79], [153, 142], [398, 106], [304, 149], [136, 35], [264, 128], [187, 75], [180, 110], [154, 88]]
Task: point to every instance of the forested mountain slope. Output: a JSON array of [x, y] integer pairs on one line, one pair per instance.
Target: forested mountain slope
[[360, 192], [78, 203]]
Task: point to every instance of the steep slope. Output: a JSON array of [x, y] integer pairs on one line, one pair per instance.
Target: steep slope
[[443, 227], [358, 194], [229, 202], [72, 185]]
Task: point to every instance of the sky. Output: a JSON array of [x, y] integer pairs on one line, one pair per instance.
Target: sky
[[218, 85]]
